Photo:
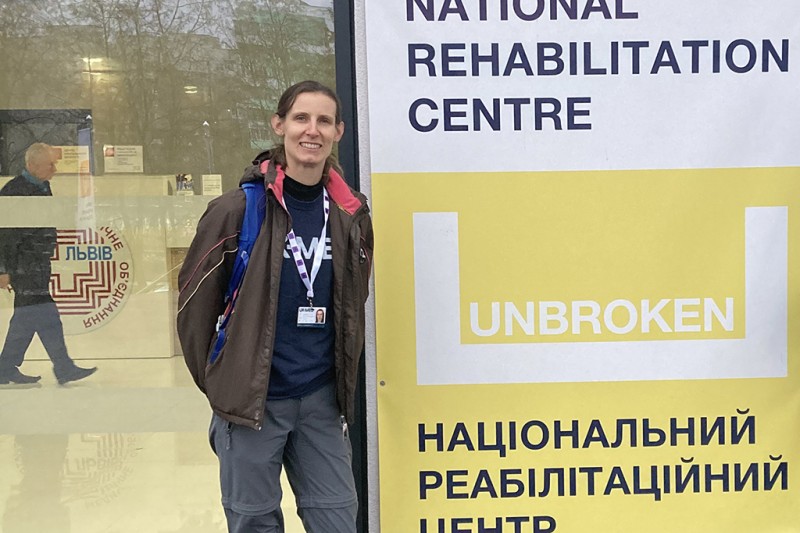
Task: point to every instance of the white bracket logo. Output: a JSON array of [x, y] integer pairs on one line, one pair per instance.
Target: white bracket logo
[[443, 360]]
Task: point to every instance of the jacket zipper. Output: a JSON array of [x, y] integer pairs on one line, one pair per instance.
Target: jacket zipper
[[262, 400]]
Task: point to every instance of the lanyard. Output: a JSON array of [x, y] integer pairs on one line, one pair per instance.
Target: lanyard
[[318, 252]]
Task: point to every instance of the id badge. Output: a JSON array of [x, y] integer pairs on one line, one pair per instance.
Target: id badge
[[311, 317]]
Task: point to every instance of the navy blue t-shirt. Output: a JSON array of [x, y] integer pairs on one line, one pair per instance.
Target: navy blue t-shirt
[[303, 359]]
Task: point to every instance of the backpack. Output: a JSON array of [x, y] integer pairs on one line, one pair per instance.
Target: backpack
[[255, 211]]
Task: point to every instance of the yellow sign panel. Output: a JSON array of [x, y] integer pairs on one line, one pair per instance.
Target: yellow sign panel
[[588, 351]]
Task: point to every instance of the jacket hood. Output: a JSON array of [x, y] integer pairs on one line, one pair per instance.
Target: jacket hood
[[253, 172]]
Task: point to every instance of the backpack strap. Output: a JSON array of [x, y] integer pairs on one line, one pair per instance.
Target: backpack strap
[[255, 211]]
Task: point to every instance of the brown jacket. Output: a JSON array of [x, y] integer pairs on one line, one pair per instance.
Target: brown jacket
[[236, 383]]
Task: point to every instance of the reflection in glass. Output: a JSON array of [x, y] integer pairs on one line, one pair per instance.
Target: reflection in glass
[[135, 92], [151, 73], [35, 503]]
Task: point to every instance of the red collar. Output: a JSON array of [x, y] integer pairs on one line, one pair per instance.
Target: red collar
[[337, 188]]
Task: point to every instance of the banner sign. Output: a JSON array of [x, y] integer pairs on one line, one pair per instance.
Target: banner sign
[[85, 216], [587, 286], [70, 159], [123, 159]]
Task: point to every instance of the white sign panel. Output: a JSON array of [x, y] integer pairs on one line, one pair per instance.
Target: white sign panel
[[123, 159], [642, 90]]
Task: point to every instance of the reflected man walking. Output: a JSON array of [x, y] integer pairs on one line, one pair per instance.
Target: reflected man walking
[[25, 268]]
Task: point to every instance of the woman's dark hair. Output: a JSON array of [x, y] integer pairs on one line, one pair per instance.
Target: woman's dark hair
[[286, 102]]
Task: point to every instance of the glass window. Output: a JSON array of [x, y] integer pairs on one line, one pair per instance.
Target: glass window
[[153, 107]]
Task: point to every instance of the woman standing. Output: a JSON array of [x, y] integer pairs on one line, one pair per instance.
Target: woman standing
[[282, 388]]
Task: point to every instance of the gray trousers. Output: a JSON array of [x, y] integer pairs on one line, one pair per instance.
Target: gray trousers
[[307, 436]]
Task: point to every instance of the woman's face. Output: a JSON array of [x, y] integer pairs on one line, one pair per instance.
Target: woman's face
[[320, 315], [309, 130]]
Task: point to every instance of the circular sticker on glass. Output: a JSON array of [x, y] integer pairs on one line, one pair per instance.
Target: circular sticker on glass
[[92, 277]]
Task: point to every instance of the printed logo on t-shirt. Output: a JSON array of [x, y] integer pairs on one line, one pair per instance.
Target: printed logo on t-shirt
[[308, 251]]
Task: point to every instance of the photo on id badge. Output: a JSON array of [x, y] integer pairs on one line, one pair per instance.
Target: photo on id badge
[[311, 317]]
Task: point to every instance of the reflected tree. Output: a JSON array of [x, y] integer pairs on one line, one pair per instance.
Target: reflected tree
[[154, 71], [279, 43]]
